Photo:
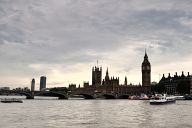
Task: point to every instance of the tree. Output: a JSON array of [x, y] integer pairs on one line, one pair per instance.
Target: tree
[[63, 89]]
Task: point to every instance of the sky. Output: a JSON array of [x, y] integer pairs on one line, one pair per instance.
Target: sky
[[63, 39]]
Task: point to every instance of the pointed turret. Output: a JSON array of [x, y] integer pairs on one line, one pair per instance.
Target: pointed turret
[[146, 61], [182, 74], [107, 75], [146, 56], [125, 83]]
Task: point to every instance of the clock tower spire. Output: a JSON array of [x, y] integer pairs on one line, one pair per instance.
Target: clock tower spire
[[146, 71]]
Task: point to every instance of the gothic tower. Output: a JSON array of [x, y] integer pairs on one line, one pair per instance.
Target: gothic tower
[[107, 79], [125, 82], [146, 71], [107, 75], [96, 75]]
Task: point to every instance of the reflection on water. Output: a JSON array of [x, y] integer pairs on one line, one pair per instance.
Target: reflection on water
[[52, 113], [36, 97]]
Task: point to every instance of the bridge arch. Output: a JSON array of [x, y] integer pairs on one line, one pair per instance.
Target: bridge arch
[[109, 96], [52, 94], [86, 96], [27, 94], [123, 97]]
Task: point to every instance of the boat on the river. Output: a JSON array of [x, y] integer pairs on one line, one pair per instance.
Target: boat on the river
[[141, 97], [188, 97], [161, 99], [179, 97], [144, 97], [12, 100], [134, 97]]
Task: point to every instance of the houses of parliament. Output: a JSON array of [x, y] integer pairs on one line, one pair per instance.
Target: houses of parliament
[[110, 85]]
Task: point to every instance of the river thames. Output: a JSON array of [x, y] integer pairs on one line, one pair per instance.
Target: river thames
[[52, 113]]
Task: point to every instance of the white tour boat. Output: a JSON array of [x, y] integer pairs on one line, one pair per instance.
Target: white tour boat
[[161, 99], [12, 100]]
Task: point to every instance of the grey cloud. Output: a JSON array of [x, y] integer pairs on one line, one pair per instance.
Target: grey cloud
[[75, 31]]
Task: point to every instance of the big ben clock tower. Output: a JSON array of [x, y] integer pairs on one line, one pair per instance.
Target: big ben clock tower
[[146, 71]]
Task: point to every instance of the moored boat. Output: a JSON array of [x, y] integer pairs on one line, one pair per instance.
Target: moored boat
[[141, 97], [188, 97], [179, 97], [12, 100], [161, 99], [134, 97], [144, 97]]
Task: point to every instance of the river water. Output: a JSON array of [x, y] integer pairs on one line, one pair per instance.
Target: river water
[[52, 113]]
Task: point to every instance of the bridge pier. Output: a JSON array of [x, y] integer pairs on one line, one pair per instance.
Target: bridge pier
[[29, 97], [32, 95], [123, 97], [90, 98], [63, 98]]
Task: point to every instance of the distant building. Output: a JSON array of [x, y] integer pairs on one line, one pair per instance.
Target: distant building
[[4, 88], [22, 89], [63, 89], [86, 84], [42, 83], [96, 75], [110, 83], [146, 71], [176, 84], [72, 87], [33, 85], [19, 89], [26, 89]]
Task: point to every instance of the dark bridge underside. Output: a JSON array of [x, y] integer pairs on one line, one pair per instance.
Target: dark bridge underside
[[123, 97], [52, 94], [108, 96], [28, 95], [87, 96]]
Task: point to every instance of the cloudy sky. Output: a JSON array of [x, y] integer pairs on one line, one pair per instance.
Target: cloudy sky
[[63, 39]]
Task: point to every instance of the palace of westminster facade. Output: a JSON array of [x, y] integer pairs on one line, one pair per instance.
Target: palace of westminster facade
[[111, 84]]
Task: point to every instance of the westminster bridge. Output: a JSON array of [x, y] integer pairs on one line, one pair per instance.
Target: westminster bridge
[[60, 95], [89, 92], [31, 95]]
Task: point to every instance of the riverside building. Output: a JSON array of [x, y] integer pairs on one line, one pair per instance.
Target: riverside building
[[42, 83]]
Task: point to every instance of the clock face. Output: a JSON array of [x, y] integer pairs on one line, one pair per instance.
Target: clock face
[[146, 67]]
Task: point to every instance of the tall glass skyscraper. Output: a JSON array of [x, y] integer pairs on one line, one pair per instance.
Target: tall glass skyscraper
[[42, 83]]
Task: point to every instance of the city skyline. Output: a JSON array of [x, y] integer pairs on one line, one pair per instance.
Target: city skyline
[[64, 39]]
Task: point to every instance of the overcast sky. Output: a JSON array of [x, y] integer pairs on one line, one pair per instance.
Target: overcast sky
[[63, 39]]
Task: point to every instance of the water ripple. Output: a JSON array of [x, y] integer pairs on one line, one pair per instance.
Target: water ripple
[[95, 114]]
